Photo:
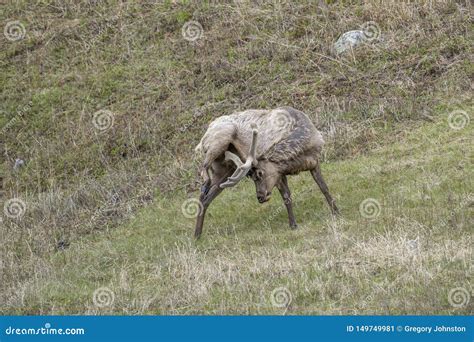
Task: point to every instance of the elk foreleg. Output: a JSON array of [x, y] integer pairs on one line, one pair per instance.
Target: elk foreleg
[[209, 191], [286, 196]]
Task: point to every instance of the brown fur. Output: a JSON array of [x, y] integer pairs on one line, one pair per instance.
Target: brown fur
[[287, 144]]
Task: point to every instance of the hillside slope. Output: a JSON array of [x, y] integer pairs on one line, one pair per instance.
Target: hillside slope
[[103, 101], [403, 242]]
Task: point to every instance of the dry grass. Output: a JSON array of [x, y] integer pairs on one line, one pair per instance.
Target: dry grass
[[130, 58], [405, 260]]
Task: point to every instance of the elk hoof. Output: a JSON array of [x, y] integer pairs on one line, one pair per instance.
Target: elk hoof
[[205, 189], [293, 226]]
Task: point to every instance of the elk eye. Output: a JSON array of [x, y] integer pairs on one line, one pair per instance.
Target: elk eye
[[259, 173]]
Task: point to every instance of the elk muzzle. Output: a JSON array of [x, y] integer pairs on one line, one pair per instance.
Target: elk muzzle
[[263, 197]]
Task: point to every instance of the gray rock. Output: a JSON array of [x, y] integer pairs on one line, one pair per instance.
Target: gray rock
[[349, 40], [413, 245], [18, 163]]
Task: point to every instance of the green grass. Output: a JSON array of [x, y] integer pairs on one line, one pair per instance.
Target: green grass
[[406, 260], [381, 108]]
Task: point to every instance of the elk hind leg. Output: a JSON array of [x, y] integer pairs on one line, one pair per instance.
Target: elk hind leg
[[318, 177]]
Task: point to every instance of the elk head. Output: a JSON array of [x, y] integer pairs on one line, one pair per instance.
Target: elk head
[[265, 176]]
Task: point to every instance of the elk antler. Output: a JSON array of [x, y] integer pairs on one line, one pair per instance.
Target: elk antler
[[242, 168]]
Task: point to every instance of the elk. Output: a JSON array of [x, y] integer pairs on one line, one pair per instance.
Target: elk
[[266, 145]]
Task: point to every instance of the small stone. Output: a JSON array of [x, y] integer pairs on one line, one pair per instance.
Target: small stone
[[18, 163], [413, 244], [348, 40], [62, 245]]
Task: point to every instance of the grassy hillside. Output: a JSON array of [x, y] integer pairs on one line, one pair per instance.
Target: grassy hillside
[[402, 257], [102, 198]]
